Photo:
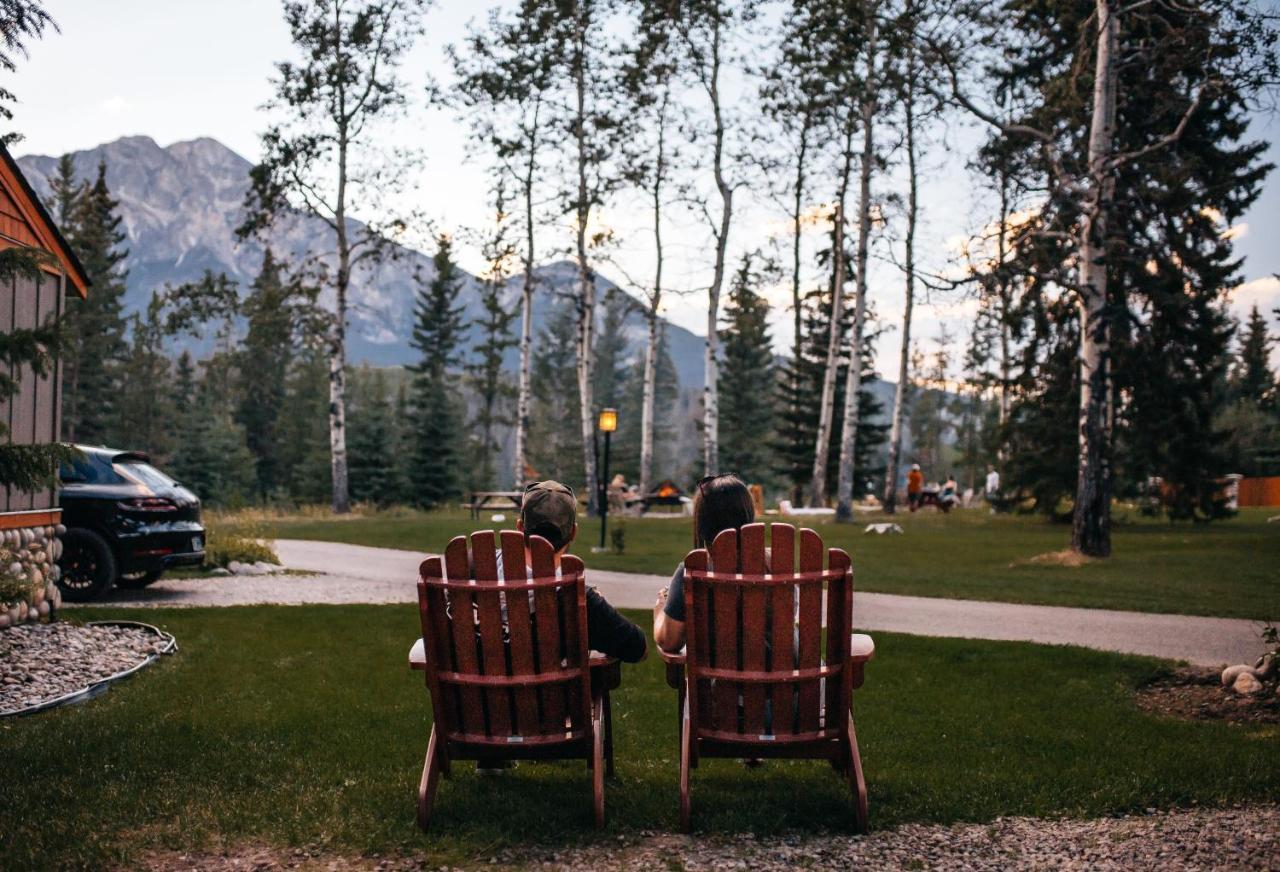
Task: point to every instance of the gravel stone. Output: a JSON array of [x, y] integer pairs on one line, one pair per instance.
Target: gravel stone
[[1239, 838], [41, 662]]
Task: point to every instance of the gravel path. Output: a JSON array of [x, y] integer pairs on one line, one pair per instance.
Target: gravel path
[[1231, 839], [357, 574], [41, 662]]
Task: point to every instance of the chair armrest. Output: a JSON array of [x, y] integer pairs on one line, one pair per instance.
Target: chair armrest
[[861, 647], [418, 656], [675, 668], [606, 672]]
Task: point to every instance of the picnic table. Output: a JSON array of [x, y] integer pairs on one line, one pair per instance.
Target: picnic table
[[481, 500]]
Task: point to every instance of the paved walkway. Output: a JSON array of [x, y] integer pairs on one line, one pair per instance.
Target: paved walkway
[[356, 574]]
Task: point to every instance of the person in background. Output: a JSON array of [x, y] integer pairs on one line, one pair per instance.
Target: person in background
[[992, 488], [722, 502], [915, 486], [948, 495]]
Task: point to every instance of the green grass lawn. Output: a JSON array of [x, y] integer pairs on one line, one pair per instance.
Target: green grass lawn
[[1227, 569], [303, 726]]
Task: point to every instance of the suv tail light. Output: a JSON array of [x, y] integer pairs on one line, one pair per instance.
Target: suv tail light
[[148, 504]]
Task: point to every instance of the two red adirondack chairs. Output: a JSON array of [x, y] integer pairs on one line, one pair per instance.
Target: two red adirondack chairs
[[756, 679]]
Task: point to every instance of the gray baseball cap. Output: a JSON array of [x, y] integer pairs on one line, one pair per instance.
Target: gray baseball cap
[[549, 503]]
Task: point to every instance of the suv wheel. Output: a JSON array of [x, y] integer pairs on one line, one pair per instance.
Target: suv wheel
[[88, 566]]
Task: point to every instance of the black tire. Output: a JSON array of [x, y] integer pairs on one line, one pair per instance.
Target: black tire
[[87, 564], [139, 580]]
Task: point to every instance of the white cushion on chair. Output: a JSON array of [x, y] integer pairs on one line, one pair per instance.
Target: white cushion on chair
[[418, 655]]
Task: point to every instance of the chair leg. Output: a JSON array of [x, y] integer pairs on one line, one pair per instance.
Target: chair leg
[[597, 761], [608, 735], [431, 770], [686, 753], [857, 783]]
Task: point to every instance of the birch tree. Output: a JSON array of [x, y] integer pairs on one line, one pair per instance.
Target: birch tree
[[324, 157], [650, 79], [870, 10], [506, 81], [705, 28]]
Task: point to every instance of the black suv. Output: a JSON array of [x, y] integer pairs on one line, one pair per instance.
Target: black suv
[[126, 523]]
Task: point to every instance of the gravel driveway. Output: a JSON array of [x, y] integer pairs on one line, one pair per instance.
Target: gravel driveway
[[358, 574]]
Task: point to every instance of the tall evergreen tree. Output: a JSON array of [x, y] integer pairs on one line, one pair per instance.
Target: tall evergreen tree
[[374, 467], [746, 378], [437, 415], [143, 405], [95, 326], [1252, 377], [612, 351], [304, 461], [554, 448]]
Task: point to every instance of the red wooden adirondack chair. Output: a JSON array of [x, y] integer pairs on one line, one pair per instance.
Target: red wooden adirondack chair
[[507, 664], [753, 681]]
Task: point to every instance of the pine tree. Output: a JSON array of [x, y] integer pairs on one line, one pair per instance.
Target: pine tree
[[304, 462], [94, 326], [612, 361], [374, 470], [143, 403], [264, 358], [493, 341], [1252, 378], [433, 472], [214, 461], [746, 378], [555, 446], [666, 400]]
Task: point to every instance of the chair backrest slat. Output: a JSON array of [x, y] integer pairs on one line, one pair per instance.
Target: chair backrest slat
[[457, 567], [523, 660], [810, 630], [755, 638], [726, 628], [547, 620], [782, 648], [484, 562], [488, 633], [755, 635]]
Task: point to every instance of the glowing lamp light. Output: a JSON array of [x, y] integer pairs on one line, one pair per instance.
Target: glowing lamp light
[[608, 420]]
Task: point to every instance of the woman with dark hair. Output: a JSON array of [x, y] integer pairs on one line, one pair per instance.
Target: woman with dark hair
[[722, 502]]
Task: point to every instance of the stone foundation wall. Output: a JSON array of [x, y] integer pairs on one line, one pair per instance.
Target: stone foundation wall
[[29, 574]]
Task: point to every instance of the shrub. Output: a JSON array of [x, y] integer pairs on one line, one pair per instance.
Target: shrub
[[244, 543]]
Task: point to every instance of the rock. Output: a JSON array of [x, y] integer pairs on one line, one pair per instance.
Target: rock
[[43, 608], [38, 597], [4, 620], [1231, 673], [220, 571], [15, 568], [1266, 666], [1247, 683], [235, 566]]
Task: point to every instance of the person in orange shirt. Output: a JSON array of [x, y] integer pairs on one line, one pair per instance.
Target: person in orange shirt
[[915, 485]]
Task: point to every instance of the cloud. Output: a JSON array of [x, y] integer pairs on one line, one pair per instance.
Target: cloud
[[1263, 293]]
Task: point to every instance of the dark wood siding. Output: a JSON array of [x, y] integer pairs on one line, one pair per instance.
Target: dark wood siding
[[32, 415]]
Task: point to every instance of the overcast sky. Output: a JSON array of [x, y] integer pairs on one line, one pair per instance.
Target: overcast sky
[[177, 69]]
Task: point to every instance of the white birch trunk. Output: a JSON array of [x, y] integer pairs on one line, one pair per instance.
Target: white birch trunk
[[1091, 521], [904, 352], [853, 384], [711, 370], [523, 393], [826, 401], [586, 280]]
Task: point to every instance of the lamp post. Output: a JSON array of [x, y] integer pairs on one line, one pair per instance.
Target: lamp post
[[608, 422]]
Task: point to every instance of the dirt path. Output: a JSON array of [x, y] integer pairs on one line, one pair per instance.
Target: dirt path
[[357, 574]]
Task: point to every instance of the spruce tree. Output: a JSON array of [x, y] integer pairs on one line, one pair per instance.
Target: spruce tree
[[94, 326], [264, 358], [666, 401], [1252, 378], [746, 379], [143, 406], [436, 409], [493, 329], [304, 433], [374, 470], [611, 362], [213, 461], [555, 446]]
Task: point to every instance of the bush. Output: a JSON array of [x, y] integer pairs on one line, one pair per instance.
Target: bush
[[245, 544]]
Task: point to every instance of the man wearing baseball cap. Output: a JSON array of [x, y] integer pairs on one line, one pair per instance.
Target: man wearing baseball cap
[[550, 510]]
